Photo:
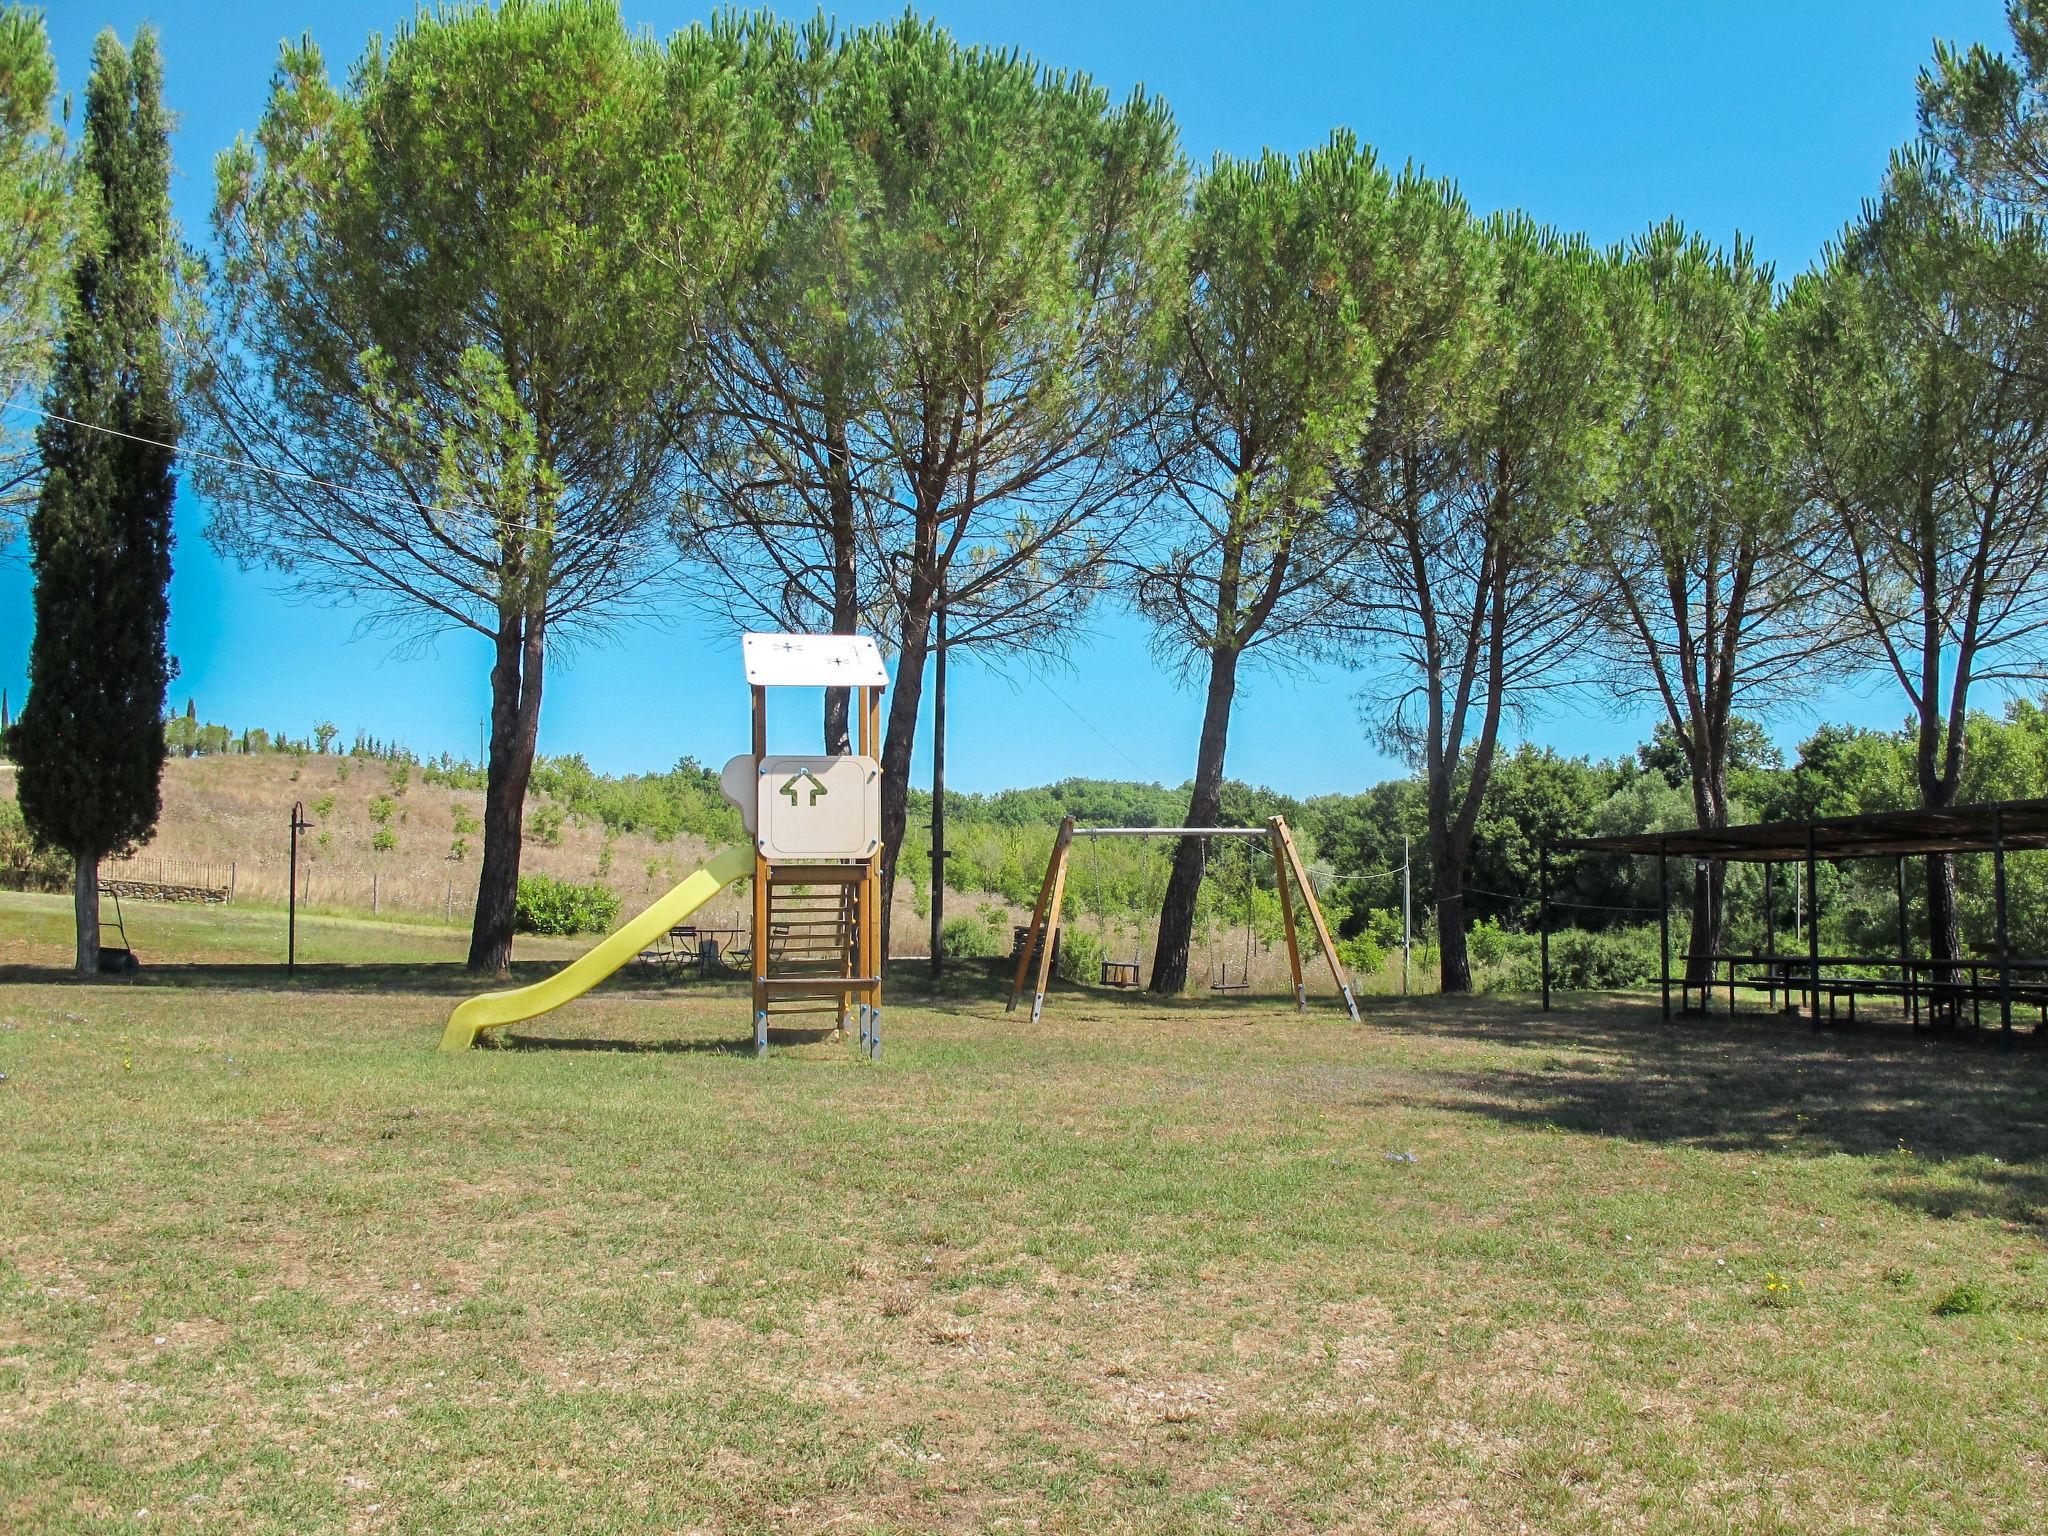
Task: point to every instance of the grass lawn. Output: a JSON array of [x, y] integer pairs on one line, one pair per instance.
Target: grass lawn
[[270, 1264]]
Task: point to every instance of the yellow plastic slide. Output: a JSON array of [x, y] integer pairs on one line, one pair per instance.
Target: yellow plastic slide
[[493, 1009]]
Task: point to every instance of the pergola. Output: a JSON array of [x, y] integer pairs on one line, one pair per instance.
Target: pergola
[[1996, 828]]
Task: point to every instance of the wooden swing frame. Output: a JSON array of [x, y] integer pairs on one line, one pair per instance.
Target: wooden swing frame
[[1290, 879]]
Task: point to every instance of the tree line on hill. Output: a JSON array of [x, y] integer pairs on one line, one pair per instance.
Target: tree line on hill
[[533, 322], [1355, 844]]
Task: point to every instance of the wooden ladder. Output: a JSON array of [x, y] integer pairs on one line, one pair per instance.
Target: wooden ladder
[[812, 962]]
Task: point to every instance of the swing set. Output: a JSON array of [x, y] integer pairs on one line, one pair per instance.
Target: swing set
[[1125, 974], [1041, 939]]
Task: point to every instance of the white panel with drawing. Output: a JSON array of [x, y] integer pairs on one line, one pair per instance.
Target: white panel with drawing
[[818, 807]]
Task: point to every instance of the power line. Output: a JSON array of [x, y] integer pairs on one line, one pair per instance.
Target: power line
[[1069, 708], [181, 451], [1530, 901]]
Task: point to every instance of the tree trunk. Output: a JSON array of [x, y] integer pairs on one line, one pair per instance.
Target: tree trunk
[[1447, 875], [85, 909], [1184, 885], [1709, 921], [906, 693], [838, 721], [1944, 920], [1938, 793], [845, 589], [1709, 885], [516, 677]]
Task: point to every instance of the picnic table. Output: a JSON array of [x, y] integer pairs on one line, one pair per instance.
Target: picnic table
[[1932, 992], [688, 946]]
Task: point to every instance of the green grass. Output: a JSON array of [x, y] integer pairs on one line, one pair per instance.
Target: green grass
[[270, 1264]]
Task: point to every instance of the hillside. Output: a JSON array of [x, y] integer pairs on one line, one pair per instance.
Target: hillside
[[226, 820]]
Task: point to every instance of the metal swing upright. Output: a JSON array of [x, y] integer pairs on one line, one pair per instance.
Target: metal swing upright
[[1041, 939]]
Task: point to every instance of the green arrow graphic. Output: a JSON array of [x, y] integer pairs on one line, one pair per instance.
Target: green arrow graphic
[[789, 789]]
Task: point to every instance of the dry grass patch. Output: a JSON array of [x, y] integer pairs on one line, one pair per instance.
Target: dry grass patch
[[271, 1264]]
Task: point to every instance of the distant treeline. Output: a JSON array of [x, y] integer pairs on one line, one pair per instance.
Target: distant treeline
[[998, 842]]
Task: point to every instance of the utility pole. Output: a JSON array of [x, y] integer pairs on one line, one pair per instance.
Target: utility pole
[[291, 942], [1407, 906], [939, 789]]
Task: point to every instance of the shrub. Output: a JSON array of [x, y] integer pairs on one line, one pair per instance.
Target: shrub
[[383, 840], [1488, 943], [563, 907], [24, 865], [1362, 956], [460, 820], [544, 826], [1080, 957], [381, 808], [324, 807], [1589, 962], [967, 938], [1384, 924], [401, 777]]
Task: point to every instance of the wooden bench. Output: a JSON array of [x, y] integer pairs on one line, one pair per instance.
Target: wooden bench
[[1945, 1000]]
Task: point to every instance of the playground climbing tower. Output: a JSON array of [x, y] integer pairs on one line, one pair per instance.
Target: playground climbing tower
[[816, 826]]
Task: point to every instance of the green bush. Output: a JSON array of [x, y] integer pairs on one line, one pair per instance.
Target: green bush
[[1588, 962], [1080, 957], [547, 905], [967, 938], [1488, 943], [1384, 924], [24, 866], [544, 826], [1362, 956]]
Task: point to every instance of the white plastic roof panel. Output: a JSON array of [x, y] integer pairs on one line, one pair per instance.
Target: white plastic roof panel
[[813, 661]]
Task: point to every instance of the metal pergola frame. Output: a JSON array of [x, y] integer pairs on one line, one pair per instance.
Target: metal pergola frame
[[1994, 827]]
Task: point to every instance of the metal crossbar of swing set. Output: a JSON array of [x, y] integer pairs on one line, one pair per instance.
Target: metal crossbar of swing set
[[1172, 832]]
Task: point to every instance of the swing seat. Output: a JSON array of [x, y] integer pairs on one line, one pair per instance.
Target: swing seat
[[1119, 973], [1230, 986]]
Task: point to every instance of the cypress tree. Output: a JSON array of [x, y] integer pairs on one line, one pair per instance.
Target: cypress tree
[[90, 742]]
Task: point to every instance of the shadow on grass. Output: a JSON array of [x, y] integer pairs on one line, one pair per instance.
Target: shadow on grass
[[1965, 1121], [979, 981], [432, 978], [499, 1041]]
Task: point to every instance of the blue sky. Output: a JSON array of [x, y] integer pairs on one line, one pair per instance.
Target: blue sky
[[1602, 116]]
